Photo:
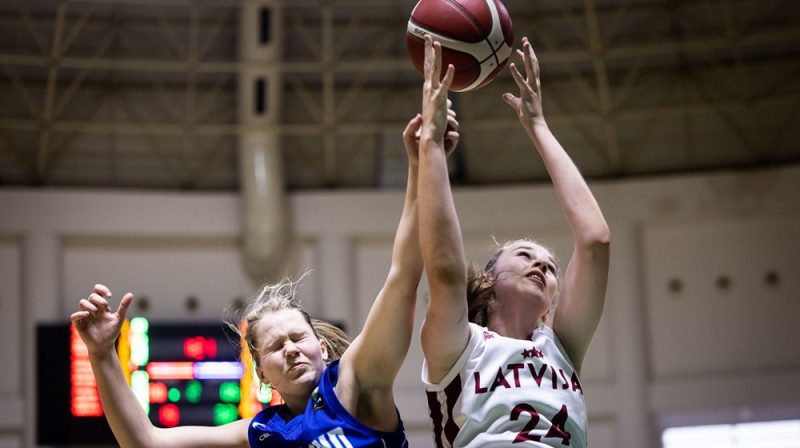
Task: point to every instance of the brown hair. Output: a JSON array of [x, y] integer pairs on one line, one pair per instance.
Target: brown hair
[[480, 294]]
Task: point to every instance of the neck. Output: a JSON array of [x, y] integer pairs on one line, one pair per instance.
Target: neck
[[512, 331], [290, 412], [294, 405], [516, 325]]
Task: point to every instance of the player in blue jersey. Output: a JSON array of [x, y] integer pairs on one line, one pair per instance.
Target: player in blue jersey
[[502, 363], [344, 402]]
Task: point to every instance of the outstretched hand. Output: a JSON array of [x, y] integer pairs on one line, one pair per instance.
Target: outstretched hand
[[412, 131], [529, 103], [97, 325], [411, 139], [436, 116], [451, 134]]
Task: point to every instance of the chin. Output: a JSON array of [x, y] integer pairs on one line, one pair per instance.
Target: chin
[[310, 377]]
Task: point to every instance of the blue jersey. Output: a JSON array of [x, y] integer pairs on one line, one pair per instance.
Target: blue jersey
[[324, 423]]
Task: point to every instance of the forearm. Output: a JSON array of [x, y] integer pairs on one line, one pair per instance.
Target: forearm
[[394, 309], [391, 317], [125, 415], [406, 257], [440, 242], [582, 211]]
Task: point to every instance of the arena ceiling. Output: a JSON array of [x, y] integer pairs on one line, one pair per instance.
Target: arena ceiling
[[142, 94]]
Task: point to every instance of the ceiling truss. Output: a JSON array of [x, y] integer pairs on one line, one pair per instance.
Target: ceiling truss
[[142, 93]]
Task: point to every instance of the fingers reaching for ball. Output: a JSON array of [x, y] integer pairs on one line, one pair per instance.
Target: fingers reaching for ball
[[433, 65], [411, 138], [451, 136], [528, 105], [436, 106]]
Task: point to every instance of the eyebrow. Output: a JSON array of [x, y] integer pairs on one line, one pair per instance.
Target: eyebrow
[[532, 249]]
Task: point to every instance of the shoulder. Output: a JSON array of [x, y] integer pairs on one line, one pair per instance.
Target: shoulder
[[338, 387], [330, 377], [261, 420], [474, 349], [548, 339]]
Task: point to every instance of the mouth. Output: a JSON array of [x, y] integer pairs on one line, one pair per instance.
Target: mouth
[[298, 366], [537, 277]]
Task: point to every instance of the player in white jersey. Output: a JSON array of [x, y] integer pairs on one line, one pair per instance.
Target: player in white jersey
[[502, 363], [520, 390]]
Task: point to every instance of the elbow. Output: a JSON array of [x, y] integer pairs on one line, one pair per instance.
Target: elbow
[[444, 262], [598, 240], [599, 233], [447, 274], [600, 243], [603, 236], [407, 276]]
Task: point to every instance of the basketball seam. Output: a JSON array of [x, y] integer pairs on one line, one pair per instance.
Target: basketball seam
[[485, 35]]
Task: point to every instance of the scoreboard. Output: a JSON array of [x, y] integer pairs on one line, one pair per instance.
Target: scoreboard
[[180, 373]]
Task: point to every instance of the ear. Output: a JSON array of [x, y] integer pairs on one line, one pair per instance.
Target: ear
[[486, 280], [261, 376], [323, 346]]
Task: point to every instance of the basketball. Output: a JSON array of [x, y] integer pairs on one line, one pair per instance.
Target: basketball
[[476, 38]]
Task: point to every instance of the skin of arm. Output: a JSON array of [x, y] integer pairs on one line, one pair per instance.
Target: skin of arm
[[371, 363], [99, 327], [445, 330], [585, 280]]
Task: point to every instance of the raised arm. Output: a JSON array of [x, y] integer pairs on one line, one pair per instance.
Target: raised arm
[[99, 328], [369, 367], [445, 331], [583, 290]]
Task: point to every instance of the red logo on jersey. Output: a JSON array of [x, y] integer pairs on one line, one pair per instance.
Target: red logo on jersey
[[532, 353]]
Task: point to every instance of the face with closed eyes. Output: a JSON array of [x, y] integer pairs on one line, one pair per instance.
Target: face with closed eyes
[[525, 276], [291, 357]]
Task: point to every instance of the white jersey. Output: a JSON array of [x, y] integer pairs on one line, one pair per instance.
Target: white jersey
[[505, 391]]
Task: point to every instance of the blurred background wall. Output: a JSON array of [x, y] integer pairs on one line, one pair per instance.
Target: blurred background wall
[[700, 325], [188, 150]]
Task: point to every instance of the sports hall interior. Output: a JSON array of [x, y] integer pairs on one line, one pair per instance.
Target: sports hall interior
[[189, 150]]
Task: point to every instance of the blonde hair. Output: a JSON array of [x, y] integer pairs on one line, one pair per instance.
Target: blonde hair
[[282, 296], [335, 338]]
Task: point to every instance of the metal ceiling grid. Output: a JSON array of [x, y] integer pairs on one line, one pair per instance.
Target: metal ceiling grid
[[143, 93]]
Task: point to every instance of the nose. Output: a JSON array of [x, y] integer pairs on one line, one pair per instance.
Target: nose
[[290, 349]]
